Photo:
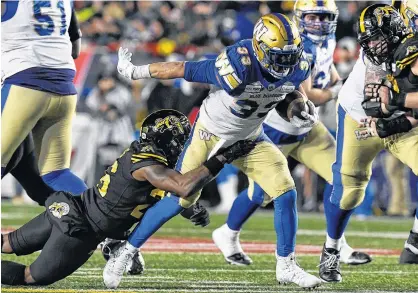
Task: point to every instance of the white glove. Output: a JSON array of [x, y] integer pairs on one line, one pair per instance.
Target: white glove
[[311, 117], [125, 67]]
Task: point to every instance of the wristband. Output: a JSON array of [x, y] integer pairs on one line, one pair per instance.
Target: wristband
[[214, 166], [141, 72]]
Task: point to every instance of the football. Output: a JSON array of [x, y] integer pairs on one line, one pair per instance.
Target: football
[[292, 105]]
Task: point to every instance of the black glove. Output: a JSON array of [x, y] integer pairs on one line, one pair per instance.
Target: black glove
[[237, 150], [197, 214], [387, 128], [372, 103]]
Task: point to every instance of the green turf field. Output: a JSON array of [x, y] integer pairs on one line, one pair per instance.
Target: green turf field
[[179, 271]]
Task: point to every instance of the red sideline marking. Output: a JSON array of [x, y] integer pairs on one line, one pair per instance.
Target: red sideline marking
[[157, 244], [172, 244]]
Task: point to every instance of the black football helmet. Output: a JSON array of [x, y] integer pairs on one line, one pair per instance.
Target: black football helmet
[[380, 31], [168, 130]]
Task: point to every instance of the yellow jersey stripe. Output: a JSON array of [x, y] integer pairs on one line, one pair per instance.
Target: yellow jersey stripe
[[147, 155]]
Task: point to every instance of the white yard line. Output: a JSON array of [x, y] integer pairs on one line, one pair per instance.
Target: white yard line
[[240, 270]]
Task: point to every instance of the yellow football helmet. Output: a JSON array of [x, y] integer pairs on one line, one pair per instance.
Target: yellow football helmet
[[277, 44], [409, 12], [317, 31]]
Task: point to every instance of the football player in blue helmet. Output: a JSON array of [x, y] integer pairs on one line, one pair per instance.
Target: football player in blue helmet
[[312, 146], [250, 77]]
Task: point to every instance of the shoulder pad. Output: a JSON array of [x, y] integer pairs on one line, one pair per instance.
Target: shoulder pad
[[146, 151], [407, 51]]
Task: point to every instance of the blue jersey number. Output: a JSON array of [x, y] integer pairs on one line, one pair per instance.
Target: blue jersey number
[[321, 80], [46, 25], [248, 107]]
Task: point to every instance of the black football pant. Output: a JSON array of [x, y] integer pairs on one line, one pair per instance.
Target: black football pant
[[66, 242]]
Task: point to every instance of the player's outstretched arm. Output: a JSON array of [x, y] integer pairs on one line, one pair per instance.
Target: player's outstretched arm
[[189, 183]]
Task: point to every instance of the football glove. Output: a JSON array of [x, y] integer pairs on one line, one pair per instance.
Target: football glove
[[311, 117], [197, 214], [384, 127], [237, 150], [125, 66]]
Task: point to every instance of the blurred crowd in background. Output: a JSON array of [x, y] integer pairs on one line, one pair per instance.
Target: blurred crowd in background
[[110, 108]]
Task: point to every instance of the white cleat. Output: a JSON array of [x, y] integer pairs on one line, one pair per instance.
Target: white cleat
[[118, 261], [227, 241], [350, 256], [289, 271]]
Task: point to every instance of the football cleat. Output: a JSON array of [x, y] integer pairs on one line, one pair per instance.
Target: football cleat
[[135, 266], [117, 263], [228, 243], [329, 265], [409, 254], [351, 257], [289, 271]]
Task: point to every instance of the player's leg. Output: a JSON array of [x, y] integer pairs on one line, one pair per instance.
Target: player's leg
[[52, 136], [267, 166], [405, 148], [27, 173], [226, 237], [248, 201], [27, 239], [317, 152], [351, 173], [196, 151], [21, 109]]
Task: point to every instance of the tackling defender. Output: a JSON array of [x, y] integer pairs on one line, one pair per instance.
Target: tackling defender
[[39, 41], [250, 78], [72, 226], [381, 32], [312, 146]]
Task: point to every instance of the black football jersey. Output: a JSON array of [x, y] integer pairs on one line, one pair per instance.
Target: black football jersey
[[118, 201], [402, 77]]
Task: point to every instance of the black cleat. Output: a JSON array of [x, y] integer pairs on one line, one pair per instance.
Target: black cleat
[[329, 266], [409, 254], [239, 259]]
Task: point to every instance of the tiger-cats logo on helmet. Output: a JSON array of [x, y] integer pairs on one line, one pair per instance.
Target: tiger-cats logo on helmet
[[59, 209], [168, 123], [381, 12]]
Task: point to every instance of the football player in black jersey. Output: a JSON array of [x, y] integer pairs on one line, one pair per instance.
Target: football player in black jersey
[[72, 226], [392, 41], [397, 49]]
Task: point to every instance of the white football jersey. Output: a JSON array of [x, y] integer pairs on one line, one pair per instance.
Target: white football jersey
[[217, 110], [35, 34]]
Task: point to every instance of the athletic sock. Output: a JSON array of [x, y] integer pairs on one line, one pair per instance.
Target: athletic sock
[[333, 243], [12, 273], [286, 222], [337, 219], [243, 208], [415, 226], [65, 180]]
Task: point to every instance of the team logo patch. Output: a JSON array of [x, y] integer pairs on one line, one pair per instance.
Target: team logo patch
[[411, 49], [304, 65], [59, 209], [168, 123], [271, 86], [204, 135], [288, 87]]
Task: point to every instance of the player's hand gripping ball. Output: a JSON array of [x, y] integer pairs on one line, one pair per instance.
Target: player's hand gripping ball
[[298, 110]]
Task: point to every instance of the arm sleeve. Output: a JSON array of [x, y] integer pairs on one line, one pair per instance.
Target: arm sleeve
[[227, 71], [201, 71], [74, 29]]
